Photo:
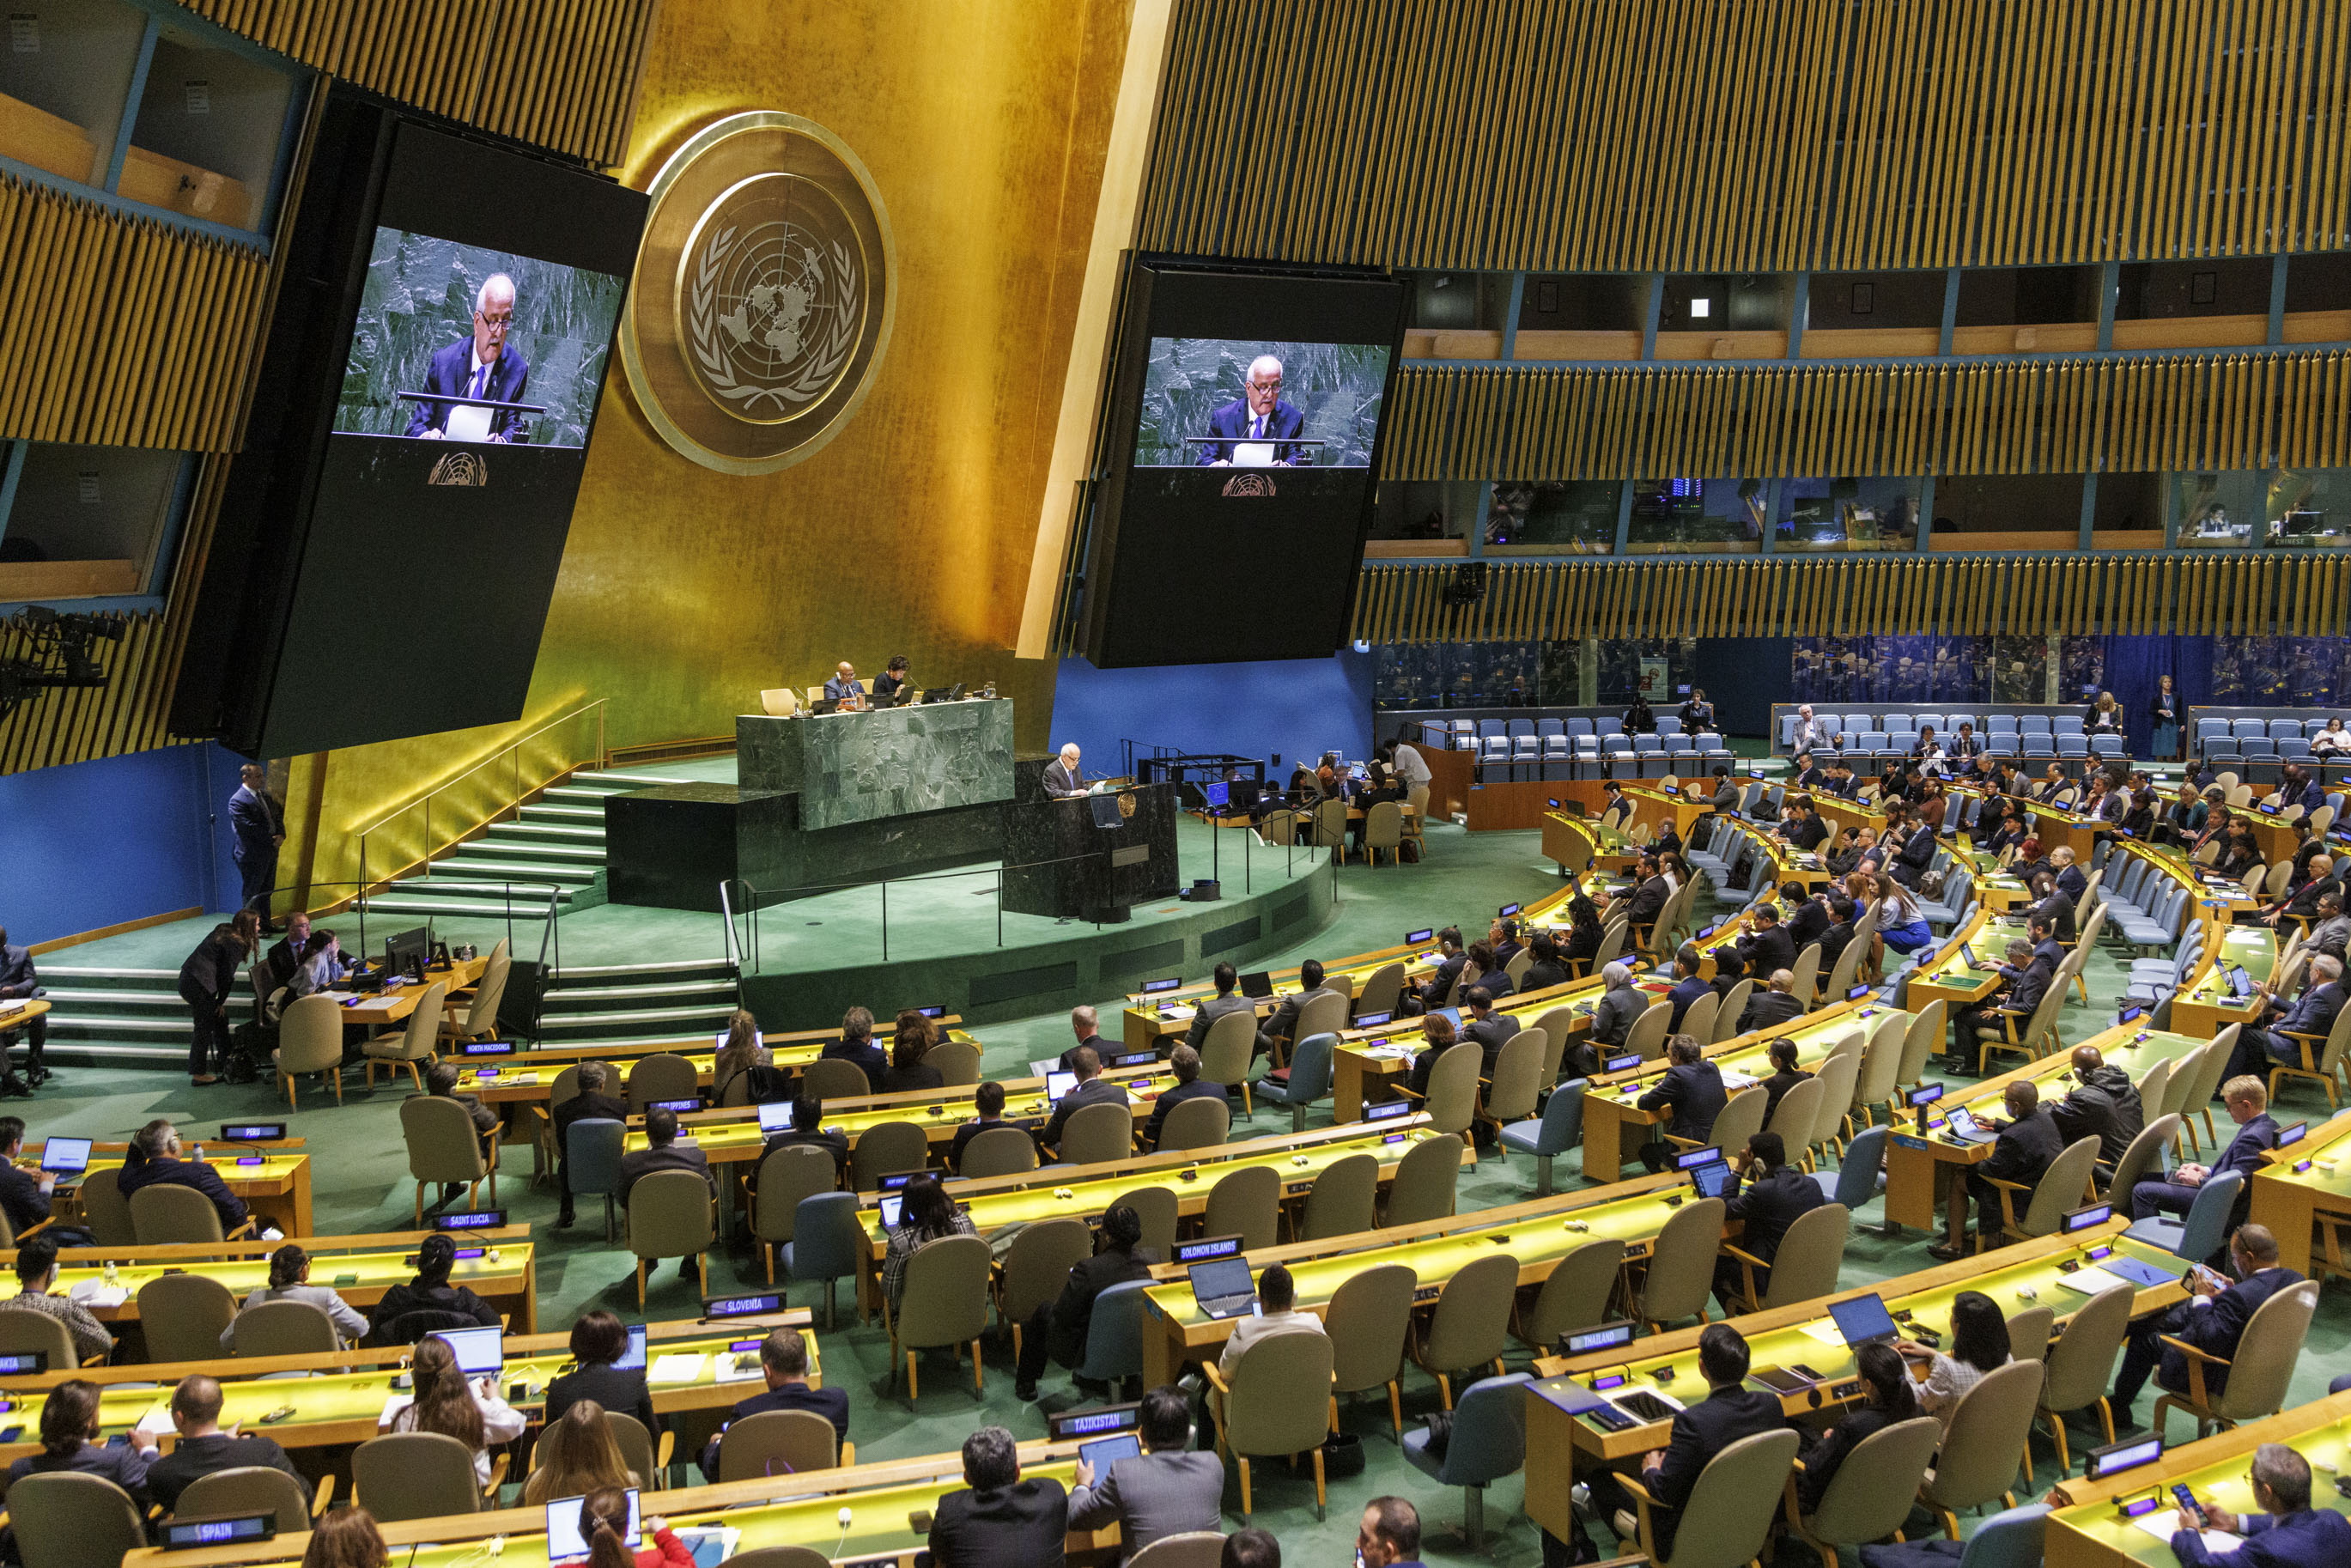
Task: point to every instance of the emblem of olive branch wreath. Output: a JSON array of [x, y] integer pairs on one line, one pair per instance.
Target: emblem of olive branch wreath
[[825, 357]]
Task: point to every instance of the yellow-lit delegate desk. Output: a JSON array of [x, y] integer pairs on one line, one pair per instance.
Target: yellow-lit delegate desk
[[732, 1136], [1996, 887], [2090, 1529], [1577, 843], [1959, 980], [527, 1077], [1653, 806], [885, 1503], [1538, 1234], [342, 1397], [1368, 1065], [1614, 1126], [2303, 1193], [272, 1180], [1086, 1192], [1805, 1335], [360, 1268], [2209, 1003], [17, 1014], [1930, 1172], [378, 1010]]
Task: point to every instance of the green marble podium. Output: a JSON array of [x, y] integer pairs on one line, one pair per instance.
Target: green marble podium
[[898, 762]]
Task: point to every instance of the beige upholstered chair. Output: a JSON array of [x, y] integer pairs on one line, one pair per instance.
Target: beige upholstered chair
[[957, 1061], [1471, 1326], [945, 1302], [1186, 1549], [414, 1042], [1870, 1496], [1380, 991], [254, 1488], [1798, 1112], [1343, 1201], [24, 1332], [777, 1442], [1369, 1321], [1517, 1085], [1575, 1296], [1739, 1119], [779, 702], [638, 1454], [1700, 1017], [1246, 1203], [1157, 1209], [2081, 1365], [2065, 1185], [1647, 1035], [2144, 1155], [1727, 1017], [664, 1075], [481, 1019], [419, 1475], [106, 1212], [671, 1215], [2259, 1372], [1426, 1182], [1277, 1400], [1926, 1033], [1806, 1265], [170, 1214], [1840, 1081], [1035, 1267], [1452, 1099], [310, 1040], [443, 1147], [1681, 1264], [68, 1519], [1727, 1515], [282, 1328], [1224, 1052], [183, 1315], [1196, 1123], [1383, 830], [1984, 1443], [1096, 1133], [887, 1148], [831, 1078], [785, 1176], [999, 1151]]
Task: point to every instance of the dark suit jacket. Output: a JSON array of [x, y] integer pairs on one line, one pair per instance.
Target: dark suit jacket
[[586, 1107], [452, 369], [1094, 1042], [1233, 418], [2314, 1538], [868, 1056], [2106, 1108], [2216, 1329], [1684, 992], [164, 1171], [1496, 983], [1769, 1206], [608, 1386], [254, 819], [2024, 1149], [1767, 948], [1092, 1091], [1212, 1009], [1061, 782], [1775, 1087], [196, 1458], [1824, 1454], [1648, 899], [1694, 1095], [1018, 1526], [1768, 1009], [1543, 973], [1073, 1309], [970, 1130], [1198, 1089], [1807, 925], [209, 975], [645, 1162], [1910, 862], [2313, 1011], [1491, 1034], [833, 1404], [2071, 883], [1283, 1024], [1700, 1432], [2245, 1150], [1807, 834]]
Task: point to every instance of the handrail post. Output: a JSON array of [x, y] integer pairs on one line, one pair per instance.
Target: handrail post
[[885, 919]]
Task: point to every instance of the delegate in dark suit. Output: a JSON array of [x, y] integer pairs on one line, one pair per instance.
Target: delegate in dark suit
[[833, 1404], [1152, 1495], [1765, 1208], [1198, 1089], [1769, 1009], [1235, 420], [257, 825], [196, 1458], [1686, 991], [1092, 1091], [1491, 1033], [504, 380], [609, 1386], [1062, 782], [1692, 1093], [1018, 1526], [2253, 1139], [2105, 1106], [2313, 1014], [1766, 949], [163, 1170], [867, 1055], [18, 981], [1910, 862], [2312, 1538], [1282, 1029], [644, 1163], [588, 1105], [1648, 901], [1210, 1011], [2213, 1324], [2020, 1154], [1700, 1432]]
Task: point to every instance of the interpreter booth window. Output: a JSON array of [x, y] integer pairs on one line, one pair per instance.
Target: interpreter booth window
[[2026, 309], [208, 135], [1420, 675], [2227, 510], [1583, 315], [1576, 517], [65, 73], [1870, 313], [2007, 512], [1697, 517], [1839, 516], [2309, 508], [89, 522], [1433, 510]]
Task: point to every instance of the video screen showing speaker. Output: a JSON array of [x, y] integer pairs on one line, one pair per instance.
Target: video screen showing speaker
[[393, 528], [1243, 421]]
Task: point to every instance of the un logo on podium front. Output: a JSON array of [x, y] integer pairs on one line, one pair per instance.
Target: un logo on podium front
[[764, 292]]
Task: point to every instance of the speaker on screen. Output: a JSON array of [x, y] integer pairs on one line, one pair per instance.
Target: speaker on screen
[[1236, 449], [391, 530]]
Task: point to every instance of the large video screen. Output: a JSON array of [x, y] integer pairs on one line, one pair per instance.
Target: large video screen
[[396, 521], [1243, 421], [459, 342]]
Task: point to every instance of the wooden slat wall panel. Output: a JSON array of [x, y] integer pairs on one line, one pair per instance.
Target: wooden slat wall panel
[[52, 728], [2054, 415], [118, 332], [1769, 135], [2109, 595], [560, 74]]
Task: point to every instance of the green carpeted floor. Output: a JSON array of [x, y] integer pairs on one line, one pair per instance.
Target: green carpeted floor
[[362, 1187]]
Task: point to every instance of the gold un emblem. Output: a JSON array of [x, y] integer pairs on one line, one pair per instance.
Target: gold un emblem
[[763, 295]]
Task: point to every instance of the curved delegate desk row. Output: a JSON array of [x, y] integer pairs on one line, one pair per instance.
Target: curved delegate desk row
[[2303, 1193], [271, 1175]]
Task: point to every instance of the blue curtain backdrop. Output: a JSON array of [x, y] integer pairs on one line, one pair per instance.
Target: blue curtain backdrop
[[100, 843]]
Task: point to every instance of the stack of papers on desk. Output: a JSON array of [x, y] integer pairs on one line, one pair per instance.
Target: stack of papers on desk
[[98, 1293], [676, 1367], [2163, 1522], [739, 1368], [1735, 1080], [2092, 1279]]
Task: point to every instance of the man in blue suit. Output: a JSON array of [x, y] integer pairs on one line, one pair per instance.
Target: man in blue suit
[[481, 366], [2289, 1533], [2312, 1014], [259, 827], [2248, 1102], [1258, 414], [2212, 1319]]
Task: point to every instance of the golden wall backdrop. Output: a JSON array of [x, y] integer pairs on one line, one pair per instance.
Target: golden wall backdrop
[[2057, 415], [684, 591], [1772, 135]]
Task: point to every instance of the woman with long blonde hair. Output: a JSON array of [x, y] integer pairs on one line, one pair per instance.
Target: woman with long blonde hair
[[577, 1455]]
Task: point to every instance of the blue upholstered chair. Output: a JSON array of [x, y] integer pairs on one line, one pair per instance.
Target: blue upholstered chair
[[1489, 1442], [1559, 1129]]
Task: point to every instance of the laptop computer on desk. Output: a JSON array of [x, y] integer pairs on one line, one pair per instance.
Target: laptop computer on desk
[[1863, 1319], [1224, 1288], [1962, 1126], [1712, 1179]]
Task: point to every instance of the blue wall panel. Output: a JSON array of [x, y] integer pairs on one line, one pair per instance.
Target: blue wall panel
[[116, 839], [1294, 706]]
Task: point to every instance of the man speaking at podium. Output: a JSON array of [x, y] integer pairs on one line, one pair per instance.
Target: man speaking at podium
[[1259, 414], [479, 366], [1061, 778]]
